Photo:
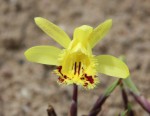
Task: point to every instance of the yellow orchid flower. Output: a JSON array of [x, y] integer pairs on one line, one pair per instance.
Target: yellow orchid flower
[[75, 63]]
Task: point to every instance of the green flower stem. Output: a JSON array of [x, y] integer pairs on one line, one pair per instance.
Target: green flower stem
[[73, 109], [101, 100], [112, 87], [129, 83]]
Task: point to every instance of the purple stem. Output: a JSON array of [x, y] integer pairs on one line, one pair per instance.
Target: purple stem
[[98, 105], [102, 98], [124, 96], [142, 101], [125, 100], [73, 109]]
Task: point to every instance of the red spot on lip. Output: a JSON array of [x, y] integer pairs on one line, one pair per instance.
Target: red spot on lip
[[89, 78], [60, 79], [85, 84], [59, 69], [65, 76], [79, 68], [82, 78], [75, 68]]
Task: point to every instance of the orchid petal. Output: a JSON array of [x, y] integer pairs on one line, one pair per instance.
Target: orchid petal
[[82, 33], [99, 32], [53, 31], [43, 54], [112, 66]]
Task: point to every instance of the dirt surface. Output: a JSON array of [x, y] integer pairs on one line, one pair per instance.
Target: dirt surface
[[27, 88]]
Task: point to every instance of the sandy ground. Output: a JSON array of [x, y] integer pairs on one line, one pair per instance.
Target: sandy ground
[[27, 88]]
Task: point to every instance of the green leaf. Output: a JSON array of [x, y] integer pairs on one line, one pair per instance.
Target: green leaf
[[124, 113]]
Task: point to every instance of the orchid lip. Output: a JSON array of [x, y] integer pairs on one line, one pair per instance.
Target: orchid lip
[[78, 74]]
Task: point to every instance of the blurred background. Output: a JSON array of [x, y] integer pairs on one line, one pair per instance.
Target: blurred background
[[27, 88]]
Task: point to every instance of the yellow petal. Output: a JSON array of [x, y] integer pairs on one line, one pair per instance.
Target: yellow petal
[[82, 33], [80, 40], [43, 54], [53, 31], [99, 32], [112, 66]]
